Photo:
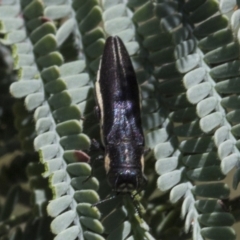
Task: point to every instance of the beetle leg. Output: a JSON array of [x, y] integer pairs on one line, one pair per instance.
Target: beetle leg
[[146, 151], [99, 158], [96, 145], [97, 112], [115, 185]]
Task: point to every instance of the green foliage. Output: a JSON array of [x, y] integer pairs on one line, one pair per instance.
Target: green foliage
[[186, 58]]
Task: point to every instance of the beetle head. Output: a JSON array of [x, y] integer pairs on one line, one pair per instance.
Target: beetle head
[[126, 180]]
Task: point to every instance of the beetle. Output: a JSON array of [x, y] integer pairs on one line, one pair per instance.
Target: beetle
[[118, 108]]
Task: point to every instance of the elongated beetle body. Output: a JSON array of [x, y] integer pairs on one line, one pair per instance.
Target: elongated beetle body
[[118, 104]]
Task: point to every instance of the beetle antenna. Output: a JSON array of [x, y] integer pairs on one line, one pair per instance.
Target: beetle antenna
[[104, 200]]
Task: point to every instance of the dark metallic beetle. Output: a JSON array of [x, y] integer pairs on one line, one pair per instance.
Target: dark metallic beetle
[[118, 105]]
